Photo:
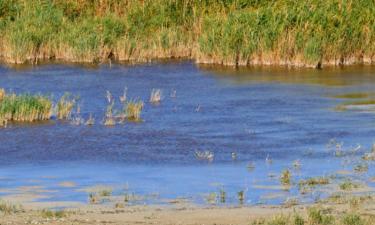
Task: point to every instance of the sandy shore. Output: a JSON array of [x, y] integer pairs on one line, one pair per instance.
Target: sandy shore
[[188, 214]]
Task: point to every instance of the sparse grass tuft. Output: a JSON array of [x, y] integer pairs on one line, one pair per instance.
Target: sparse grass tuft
[[352, 219], [134, 110], [155, 97], [65, 106], [285, 177], [51, 214], [8, 208]]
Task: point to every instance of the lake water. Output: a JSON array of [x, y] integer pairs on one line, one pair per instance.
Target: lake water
[[284, 114]]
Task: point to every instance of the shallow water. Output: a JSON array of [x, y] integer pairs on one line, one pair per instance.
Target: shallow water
[[286, 114]]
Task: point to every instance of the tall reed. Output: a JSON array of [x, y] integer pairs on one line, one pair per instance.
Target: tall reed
[[65, 106], [25, 108]]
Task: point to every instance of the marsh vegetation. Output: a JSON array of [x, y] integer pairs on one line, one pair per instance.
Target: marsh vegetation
[[230, 32]]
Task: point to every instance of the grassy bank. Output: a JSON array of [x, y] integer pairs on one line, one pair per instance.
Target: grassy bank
[[229, 32]]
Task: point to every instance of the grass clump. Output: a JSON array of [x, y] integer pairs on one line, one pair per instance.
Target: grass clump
[[348, 185], [314, 181], [8, 208], [318, 217], [134, 110], [51, 214], [65, 106], [352, 219], [25, 108], [285, 177]]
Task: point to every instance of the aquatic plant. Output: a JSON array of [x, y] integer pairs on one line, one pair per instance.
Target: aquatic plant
[[241, 197], [314, 181], [65, 106], [155, 97], [93, 198], [25, 108], [285, 177], [230, 32], [90, 121], [109, 117], [348, 185], [134, 110], [204, 155], [223, 195], [361, 168], [105, 192]]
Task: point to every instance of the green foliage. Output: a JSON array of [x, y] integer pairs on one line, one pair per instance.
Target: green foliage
[[231, 31]]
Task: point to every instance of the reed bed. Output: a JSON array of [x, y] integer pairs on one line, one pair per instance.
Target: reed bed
[[25, 108], [229, 32]]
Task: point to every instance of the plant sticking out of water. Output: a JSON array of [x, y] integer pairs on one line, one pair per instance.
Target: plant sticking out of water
[[105, 192], [25, 108], [77, 118], [223, 195], [241, 197], [65, 106], [109, 118], [211, 198], [155, 97], [93, 198], [285, 177], [134, 110], [361, 168], [348, 185], [204, 155], [297, 164], [250, 166], [90, 121], [314, 181]]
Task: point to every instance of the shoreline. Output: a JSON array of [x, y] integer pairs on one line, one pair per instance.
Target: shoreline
[[187, 214], [199, 63]]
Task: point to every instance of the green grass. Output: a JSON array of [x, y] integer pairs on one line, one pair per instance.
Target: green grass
[[232, 32], [51, 214], [65, 106], [25, 108]]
